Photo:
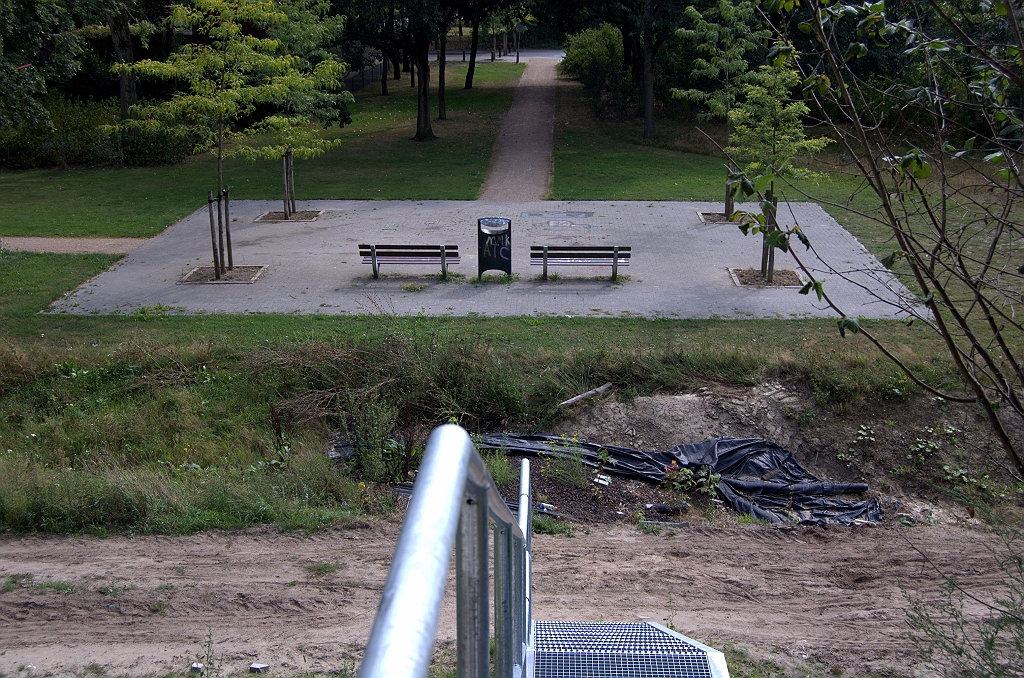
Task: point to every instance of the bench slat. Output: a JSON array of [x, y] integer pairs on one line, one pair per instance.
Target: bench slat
[[375, 255], [577, 248], [580, 255], [427, 248], [577, 262], [410, 260], [553, 256]]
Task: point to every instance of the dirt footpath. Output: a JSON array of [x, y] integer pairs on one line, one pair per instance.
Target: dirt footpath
[[147, 605], [72, 245]]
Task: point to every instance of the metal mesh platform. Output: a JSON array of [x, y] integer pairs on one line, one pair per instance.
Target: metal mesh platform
[[585, 650]]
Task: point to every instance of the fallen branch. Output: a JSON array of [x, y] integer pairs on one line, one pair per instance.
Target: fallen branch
[[597, 391]]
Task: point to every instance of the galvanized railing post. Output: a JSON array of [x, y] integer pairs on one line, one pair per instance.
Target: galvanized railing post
[[525, 526], [402, 639], [504, 632], [471, 574], [452, 504]]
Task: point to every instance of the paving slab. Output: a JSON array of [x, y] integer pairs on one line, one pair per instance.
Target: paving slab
[[680, 265]]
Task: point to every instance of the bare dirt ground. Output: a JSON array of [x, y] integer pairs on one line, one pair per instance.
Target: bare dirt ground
[[803, 595], [820, 601], [72, 245]]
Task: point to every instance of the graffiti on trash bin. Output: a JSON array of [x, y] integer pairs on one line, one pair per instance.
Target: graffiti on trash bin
[[498, 247]]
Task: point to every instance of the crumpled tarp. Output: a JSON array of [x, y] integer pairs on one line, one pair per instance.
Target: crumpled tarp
[[758, 477]]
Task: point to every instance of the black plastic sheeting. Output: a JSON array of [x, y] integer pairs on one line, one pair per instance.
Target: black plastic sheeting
[[758, 477]]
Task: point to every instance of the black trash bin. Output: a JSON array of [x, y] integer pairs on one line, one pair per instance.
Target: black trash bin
[[495, 244]]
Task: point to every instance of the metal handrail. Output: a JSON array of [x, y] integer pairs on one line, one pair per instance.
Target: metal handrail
[[453, 502]]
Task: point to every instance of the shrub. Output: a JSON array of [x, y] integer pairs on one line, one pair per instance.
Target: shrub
[[595, 58], [88, 133]]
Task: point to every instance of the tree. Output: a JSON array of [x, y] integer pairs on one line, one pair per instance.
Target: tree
[[940, 144], [423, 22], [645, 25], [476, 12], [307, 99], [768, 133], [124, 19], [728, 35], [374, 24], [36, 45], [229, 71]]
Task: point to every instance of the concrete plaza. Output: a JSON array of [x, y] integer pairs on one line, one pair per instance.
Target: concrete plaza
[[680, 265]]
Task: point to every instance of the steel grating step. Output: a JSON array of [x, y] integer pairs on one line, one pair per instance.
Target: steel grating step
[[619, 650]]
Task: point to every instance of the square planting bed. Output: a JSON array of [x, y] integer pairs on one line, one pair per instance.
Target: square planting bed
[[278, 217], [237, 275], [751, 277]]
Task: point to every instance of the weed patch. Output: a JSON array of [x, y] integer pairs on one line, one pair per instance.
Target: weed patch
[[545, 525], [322, 568]]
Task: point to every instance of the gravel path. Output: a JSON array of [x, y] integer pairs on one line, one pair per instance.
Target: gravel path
[[72, 245], [521, 166]]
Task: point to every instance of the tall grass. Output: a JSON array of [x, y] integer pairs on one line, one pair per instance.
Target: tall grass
[[162, 423], [157, 437]]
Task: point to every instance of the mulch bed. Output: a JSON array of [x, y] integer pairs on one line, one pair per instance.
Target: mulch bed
[[306, 215], [751, 277], [715, 218], [239, 274]]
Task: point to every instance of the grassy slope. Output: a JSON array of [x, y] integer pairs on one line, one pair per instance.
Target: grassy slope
[[378, 160], [163, 423]]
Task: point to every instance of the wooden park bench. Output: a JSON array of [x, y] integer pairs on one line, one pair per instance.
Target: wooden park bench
[[442, 255], [579, 255]]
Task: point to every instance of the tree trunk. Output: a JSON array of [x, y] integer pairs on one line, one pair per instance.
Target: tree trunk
[[636, 59], [424, 132], [474, 45], [627, 51], [121, 37], [767, 260], [442, 45], [396, 63], [384, 74], [227, 226], [647, 86], [291, 181], [220, 154], [647, 78], [284, 187]]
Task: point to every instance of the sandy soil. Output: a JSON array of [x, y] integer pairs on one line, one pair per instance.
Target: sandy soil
[[826, 595]]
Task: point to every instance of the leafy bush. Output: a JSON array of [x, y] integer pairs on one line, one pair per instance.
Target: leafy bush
[[88, 133], [595, 57]]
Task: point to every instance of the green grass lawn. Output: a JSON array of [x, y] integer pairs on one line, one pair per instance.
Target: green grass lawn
[[609, 160], [378, 160]]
